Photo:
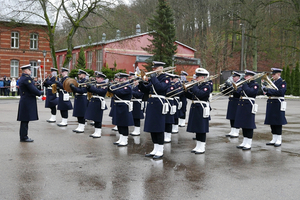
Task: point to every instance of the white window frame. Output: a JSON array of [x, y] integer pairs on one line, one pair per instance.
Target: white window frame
[[14, 68], [14, 40], [34, 69], [99, 55], [34, 38], [89, 59]]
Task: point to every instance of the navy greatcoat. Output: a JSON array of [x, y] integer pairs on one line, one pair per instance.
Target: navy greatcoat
[[183, 100], [94, 111], [137, 112], [179, 90], [51, 99], [27, 110], [80, 101], [63, 105], [232, 103], [274, 116], [155, 120], [170, 119], [196, 122], [244, 116], [120, 114]]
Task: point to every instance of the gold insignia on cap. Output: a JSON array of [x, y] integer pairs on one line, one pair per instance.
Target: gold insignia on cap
[[29, 81]]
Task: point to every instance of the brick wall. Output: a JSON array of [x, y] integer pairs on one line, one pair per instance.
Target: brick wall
[[23, 54]]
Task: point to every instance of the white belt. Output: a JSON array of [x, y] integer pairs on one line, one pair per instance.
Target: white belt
[[78, 94], [50, 88], [199, 102], [169, 98], [230, 96], [156, 96], [98, 97], [249, 98], [122, 101], [176, 98], [139, 100], [282, 98]]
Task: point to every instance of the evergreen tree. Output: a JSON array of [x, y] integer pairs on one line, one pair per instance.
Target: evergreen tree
[[292, 80], [283, 73], [110, 74], [81, 64], [296, 82], [162, 45], [288, 81]]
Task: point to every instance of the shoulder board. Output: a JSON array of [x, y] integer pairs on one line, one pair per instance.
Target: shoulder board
[[206, 83], [27, 75], [283, 80]]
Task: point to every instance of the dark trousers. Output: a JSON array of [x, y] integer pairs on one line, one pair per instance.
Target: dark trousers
[[158, 138], [276, 129], [81, 120], [168, 128], [64, 113], [248, 133], [201, 137], [53, 110], [24, 130], [176, 121], [232, 123], [137, 122], [123, 130], [98, 125]]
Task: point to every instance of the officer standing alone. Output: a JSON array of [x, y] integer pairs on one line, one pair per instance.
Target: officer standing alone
[[27, 110]]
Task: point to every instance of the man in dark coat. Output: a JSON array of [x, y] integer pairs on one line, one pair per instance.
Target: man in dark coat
[[64, 103], [96, 104], [156, 108], [27, 105], [275, 114], [51, 99], [80, 101], [245, 113]]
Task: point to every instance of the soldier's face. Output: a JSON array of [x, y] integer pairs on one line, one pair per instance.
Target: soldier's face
[[235, 78], [27, 71], [99, 79], [276, 76]]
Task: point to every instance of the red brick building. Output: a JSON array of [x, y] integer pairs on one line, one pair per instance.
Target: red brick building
[[127, 53], [21, 44]]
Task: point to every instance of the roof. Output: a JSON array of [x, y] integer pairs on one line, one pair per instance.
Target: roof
[[120, 39]]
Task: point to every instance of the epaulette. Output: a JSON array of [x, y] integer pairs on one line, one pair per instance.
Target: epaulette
[[27, 75], [283, 80]]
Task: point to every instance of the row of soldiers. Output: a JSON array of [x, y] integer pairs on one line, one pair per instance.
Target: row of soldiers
[[166, 106]]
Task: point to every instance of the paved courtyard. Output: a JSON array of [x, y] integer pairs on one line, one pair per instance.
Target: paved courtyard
[[61, 164]]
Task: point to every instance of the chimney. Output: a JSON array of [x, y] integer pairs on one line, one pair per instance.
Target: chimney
[[103, 37], [138, 29], [118, 34]]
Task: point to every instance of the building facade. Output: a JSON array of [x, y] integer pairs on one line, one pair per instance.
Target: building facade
[[127, 53], [22, 44]]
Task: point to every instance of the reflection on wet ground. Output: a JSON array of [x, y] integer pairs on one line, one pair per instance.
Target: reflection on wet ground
[[63, 165]]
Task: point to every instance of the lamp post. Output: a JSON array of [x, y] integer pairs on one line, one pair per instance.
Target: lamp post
[[44, 54], [242, 50]]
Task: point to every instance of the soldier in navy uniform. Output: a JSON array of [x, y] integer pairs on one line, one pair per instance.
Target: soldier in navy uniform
[[170, 118], [232, 104], [198, 121], [245, 117], [137, 100], [64, 103], [27, 110], [275, 114], [97, 104], [177, 102], [122, 112], [182, 110], [51, 99], [80, 101], [116, 80], [155, 114]]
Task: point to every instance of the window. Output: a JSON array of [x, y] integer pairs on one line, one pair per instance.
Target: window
[[99, 60], [74, 60], [14, 68], [33, 41], [14, 40], [89, 59], [34, 69]]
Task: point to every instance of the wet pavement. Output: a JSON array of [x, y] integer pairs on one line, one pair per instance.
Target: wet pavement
[[61, 164]]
